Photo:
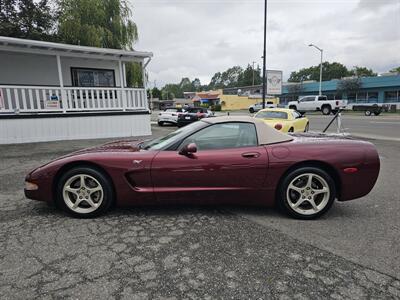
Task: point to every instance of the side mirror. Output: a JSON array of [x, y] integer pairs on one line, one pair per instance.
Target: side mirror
[[188, 149]]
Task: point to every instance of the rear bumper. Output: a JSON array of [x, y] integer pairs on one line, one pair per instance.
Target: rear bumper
[[359, 184], [167, 120]]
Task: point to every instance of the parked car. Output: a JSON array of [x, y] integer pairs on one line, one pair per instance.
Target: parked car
[[214, 161], [317, 103], [283, 119], [258, 106], [369, 109], [193, 114], [169, 115]]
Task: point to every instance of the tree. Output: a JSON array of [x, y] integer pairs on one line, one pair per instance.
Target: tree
[[395, 70], [134, 74], [156, 93], [362, 72], [246, 77], [330, 71], [228, 78], [97, 23], [27, 19]]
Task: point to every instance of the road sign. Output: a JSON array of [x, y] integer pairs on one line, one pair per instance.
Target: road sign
[[274, 82]]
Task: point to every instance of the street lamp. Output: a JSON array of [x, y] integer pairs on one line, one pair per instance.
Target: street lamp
[[320, 70]]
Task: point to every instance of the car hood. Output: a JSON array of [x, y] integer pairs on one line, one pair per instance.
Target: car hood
[[115, 146]]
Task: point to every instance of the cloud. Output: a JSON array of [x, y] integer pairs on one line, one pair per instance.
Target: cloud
[[196, 38]]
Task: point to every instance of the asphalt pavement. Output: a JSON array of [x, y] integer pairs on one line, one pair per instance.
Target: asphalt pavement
[[194, 252]]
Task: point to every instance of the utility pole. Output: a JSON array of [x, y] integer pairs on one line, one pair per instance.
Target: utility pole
[[264, 53], [253, 71]]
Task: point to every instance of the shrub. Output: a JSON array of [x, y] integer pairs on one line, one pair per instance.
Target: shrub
[[217, 107]]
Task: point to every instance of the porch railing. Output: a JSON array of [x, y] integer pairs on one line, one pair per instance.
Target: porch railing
[[35, 99]]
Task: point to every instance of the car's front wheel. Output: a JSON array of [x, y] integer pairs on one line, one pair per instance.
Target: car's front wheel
[[307, 193], [251, 110], [84, 192]]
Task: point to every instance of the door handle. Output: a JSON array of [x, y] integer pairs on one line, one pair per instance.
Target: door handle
[[250, 154]]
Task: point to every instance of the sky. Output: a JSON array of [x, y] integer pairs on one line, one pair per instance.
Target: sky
[[197, 38]]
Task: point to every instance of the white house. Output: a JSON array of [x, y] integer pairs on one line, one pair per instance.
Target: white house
[[51, 91]]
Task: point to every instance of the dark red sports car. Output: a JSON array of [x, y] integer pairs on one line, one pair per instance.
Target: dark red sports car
[[213, 161]]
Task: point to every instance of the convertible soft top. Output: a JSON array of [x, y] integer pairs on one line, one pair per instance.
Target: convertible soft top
[[266, 134]]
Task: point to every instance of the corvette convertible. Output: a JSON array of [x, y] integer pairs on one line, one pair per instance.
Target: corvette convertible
[[284, 119], [219, 160]]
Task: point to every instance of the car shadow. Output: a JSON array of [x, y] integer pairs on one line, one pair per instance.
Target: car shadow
[[338, 211]]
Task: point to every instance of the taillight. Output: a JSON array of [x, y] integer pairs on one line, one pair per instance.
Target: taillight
[[278, 126]]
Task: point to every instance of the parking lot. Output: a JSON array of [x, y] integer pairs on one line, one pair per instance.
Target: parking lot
[[197, 252]]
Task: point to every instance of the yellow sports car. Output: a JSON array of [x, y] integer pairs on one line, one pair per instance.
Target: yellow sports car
[[283, 119]]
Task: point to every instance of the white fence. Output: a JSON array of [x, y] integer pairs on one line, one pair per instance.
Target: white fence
[[33, 99]]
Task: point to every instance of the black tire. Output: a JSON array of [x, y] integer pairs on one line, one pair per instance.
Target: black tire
[[377, 113], [283, 202], [326, 110], [251, 110], [160, 123], [291, 129], [293, 107], [367, 113], [307, 128], [103, 180]]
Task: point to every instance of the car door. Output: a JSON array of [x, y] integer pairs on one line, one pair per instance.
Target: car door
[[306, 104], [228, 167]]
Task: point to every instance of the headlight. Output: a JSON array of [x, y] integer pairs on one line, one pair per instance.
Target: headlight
[[30, 186]]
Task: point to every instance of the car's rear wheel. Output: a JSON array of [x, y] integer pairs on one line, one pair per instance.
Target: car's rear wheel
[[307, 128], [368, 113], [251, 110], [84, 192], [326, 109], [293, 107], [307, 193], [291, 129]]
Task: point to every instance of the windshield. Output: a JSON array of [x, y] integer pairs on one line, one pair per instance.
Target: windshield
[[173, 137], [271, 115]]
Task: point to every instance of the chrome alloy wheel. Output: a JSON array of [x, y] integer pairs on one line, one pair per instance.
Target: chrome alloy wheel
[[308, 194], [83, 193]]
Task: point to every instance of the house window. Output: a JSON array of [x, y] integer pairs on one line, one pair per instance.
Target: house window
[[86, 77]]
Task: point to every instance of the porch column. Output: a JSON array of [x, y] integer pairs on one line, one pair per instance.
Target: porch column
[[144, 84], [60, 79], [122, 80]]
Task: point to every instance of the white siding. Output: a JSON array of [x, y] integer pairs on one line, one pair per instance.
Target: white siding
[[28, 69], [33, 69], [73, 128]]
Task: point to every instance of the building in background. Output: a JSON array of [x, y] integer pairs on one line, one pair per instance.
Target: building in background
[[384, 89], [51, 91]]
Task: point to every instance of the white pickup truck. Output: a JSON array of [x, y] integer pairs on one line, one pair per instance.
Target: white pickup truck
[[317, 103]]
